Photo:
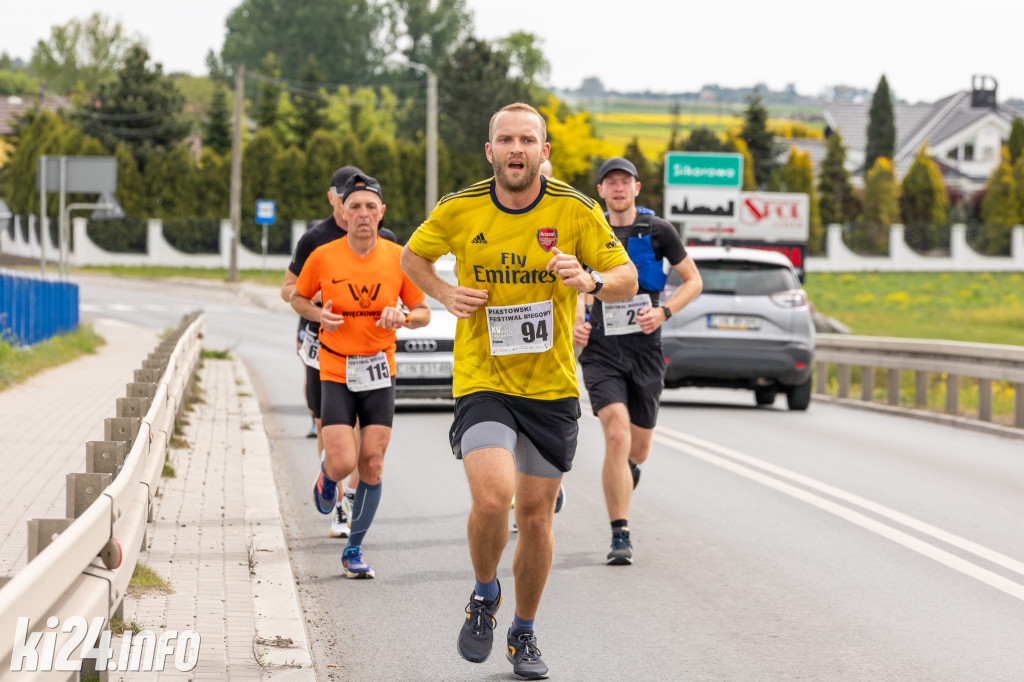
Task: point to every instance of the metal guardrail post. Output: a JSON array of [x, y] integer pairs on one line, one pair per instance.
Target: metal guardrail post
[[921, 389], [122, 428], [952, 393], [41, 532], [1018, 405], [985, 400], [105, 456], [133, 407], [83, 490], [147, 376], [892, 391], [867, 383], [844, 381], [142, 390]]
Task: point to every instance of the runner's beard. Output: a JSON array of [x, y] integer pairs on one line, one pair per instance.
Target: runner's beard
[[503, 176]]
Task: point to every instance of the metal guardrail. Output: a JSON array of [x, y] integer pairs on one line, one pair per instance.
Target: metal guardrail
[[81, 565], [953, 360], [33, 309]]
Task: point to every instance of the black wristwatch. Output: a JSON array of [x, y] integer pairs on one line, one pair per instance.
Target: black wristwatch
[[598, 282], [667, 311]]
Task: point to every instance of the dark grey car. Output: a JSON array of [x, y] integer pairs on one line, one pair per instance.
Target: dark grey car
[[751, 328]]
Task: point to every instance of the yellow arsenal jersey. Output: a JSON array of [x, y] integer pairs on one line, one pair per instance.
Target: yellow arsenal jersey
[[521, 342]]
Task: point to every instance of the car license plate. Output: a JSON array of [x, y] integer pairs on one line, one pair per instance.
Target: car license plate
[[425, 370], [747, 322]]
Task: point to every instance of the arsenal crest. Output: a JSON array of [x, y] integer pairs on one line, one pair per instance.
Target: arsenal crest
[[547, 237]]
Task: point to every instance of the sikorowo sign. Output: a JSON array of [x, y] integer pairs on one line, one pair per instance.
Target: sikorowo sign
[[704, 169]]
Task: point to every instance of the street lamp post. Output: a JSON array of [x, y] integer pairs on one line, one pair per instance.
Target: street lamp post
[[431, 180]]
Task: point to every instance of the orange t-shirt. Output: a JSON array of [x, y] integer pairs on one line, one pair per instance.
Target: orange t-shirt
[[358, 288]]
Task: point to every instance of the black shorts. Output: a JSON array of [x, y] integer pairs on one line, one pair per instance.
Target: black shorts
[[342, 406], [313, 401], [551, 425], [631, 374]]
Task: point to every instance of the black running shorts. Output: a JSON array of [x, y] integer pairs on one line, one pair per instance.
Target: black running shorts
[[342, 406], [551, 425], [631, 374], [313, 390]]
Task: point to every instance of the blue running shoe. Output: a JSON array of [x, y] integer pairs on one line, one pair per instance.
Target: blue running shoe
[[524, 655], [355, 567], [560, 500], [622, 549], [325, 492], [477, 634]]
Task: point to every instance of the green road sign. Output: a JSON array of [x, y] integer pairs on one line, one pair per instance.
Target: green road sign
[[704, 169]]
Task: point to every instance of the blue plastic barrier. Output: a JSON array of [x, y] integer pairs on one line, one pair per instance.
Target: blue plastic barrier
[[33, 309]]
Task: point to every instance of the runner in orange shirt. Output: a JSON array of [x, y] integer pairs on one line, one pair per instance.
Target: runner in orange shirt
[[366, 298]]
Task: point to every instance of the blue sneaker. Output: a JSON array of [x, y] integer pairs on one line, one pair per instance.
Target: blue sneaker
[[524, 655], [355, 567], [560, 500], [477, 634], [325, 492], [622, 549]]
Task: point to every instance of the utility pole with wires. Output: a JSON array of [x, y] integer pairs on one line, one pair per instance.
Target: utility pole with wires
[[236, 173]]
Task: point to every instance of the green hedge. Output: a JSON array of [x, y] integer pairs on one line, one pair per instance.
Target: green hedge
[[193, 235], [119, 236]]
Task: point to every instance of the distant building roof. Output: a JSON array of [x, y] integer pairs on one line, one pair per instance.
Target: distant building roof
[[935, 123], [13, 106]]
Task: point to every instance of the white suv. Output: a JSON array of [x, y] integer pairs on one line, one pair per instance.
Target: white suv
[[426, 356], [751, 327]]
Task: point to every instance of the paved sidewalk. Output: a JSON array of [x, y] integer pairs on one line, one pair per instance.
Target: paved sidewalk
[[45, 423], [217, 537]]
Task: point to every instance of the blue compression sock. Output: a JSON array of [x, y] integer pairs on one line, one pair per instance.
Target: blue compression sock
[[363, 509]]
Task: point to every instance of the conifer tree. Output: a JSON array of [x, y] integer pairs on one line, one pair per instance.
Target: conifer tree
[[798, 176], [881, 208], [311, 104], [924, 203], [1018, 181], [268, 94], [1000, 209], [881, 126], [650, 189], [760, 141], [217, 132], [1016, 142], [839, 204]]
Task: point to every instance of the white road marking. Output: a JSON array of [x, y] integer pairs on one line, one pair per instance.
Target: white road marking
[[704, 450]]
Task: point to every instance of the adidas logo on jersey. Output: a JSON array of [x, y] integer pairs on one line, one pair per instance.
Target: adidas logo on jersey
[[479, 239]]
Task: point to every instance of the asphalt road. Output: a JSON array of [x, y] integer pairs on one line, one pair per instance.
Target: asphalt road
[[835, 544]]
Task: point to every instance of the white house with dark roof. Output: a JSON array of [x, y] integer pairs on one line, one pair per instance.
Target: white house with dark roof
[[964, 131]]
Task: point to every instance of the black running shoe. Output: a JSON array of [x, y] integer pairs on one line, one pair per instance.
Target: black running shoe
[[622, 549], [524, 655], [634, 469], [477, 634]]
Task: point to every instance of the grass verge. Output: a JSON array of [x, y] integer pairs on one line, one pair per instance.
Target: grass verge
[[18, 364]]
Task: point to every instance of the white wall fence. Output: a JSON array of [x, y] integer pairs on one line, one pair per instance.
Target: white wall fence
[[158, 250], [902, 258], [839, 258]]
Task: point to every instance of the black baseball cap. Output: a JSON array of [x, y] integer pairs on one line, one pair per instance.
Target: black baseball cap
[[360, 182], [614, 164], [341, 176]]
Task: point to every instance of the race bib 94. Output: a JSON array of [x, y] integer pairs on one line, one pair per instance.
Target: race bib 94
[[520, 328]]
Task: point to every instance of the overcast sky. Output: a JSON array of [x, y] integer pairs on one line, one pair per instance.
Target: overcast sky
[[926, 51]]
